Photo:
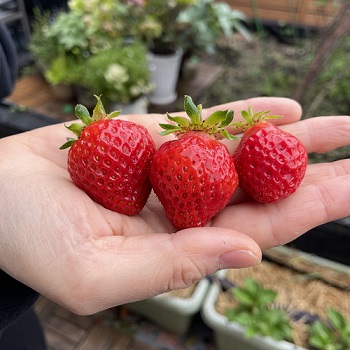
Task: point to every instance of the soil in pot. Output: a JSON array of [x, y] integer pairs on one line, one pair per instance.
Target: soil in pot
[[296, 292]]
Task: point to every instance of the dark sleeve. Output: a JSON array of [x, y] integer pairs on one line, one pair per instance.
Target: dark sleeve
[[8, 62], [15, 299]]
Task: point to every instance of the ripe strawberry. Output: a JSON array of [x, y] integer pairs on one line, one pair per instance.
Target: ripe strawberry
[[270, 162], [110, 160], [194, 175]]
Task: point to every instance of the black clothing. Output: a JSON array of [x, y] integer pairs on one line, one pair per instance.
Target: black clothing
[[25, 334], [16, 300], [8, 62]]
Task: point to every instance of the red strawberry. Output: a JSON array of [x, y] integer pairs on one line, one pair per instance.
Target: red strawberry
[[194, 175], [270, 162], [110, 160]]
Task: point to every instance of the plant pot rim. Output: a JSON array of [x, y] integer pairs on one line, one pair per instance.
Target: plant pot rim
[[342, 268], [173, 313], [186, 305], [178, 52]]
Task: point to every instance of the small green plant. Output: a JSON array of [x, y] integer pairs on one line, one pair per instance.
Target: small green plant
[[188, 24], [119, 74], [43, 48], [203, 23], [256, 313], [64, 69], [333, 334]]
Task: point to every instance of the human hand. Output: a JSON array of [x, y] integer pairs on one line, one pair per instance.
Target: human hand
[[55, 239]]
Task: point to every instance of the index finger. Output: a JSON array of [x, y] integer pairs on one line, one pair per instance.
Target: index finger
[[289, 110]]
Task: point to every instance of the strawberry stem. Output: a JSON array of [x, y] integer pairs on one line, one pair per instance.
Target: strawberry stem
[[251, 118], [99, 112], [83, 114], [213, 125]]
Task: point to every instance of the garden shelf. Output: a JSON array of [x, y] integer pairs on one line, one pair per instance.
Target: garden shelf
[[14, 119]]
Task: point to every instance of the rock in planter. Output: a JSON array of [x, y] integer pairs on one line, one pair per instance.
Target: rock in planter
[[298, 293], [173, 311]]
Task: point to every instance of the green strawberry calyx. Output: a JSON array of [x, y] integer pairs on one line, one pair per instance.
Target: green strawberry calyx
[[214, 125], [251, 118], [83, 114]]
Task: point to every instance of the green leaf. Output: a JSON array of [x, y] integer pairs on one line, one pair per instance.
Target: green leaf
[[336, 319], [243, 318], [192, 110], [251, 331], [317, 342], [215, 118], [227, 135], [252, 286], [246, 117], [321, 331], [69, 143], [169, 129], [184, 122], [113, 114], [83, 114], [228, 119], [76, 128], [266, 297], [243, 296], [200, 110], [99, 111], [346, 331]]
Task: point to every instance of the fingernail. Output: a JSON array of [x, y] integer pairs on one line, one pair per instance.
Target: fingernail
[[238, 259]]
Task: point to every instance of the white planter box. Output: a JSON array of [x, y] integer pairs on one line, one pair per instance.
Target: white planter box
[[173, 313], [230, 335]]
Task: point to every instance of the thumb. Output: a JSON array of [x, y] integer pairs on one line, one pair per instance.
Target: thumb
[[142, 266], [199, 252]]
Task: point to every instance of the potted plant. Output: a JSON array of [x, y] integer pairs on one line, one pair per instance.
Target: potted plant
[[93, 53], [172, 28], [256, 312], [331, 334], [58, 44], [46, 50], [305, 298], [41, 47], [120, 74], [174, 310]]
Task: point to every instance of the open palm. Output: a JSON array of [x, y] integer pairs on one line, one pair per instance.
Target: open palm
[[55, 239]]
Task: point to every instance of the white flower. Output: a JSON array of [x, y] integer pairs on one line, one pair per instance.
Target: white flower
[[116, 75], [135, 90]]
